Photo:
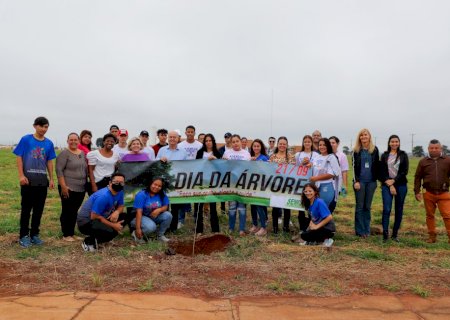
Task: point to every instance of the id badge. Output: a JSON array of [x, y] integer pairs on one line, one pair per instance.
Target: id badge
[[366, 165]]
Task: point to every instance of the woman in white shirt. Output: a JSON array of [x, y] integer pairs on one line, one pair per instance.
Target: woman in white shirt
[[326, 172], [102, 163]]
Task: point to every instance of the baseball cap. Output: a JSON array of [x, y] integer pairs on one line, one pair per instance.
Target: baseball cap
[[123, 132], [144, 133], [227, 135]]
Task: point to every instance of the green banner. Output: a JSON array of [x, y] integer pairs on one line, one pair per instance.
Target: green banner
[[251, 182]]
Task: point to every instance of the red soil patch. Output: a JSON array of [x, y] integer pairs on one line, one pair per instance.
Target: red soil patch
[[205, 245]]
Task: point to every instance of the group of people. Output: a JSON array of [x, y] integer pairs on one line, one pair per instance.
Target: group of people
[[81, 170]]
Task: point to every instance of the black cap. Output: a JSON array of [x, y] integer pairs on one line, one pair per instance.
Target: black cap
[[227, 135], [144, 133]]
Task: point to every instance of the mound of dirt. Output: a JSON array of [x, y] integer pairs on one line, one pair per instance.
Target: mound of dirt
[[204, 245]]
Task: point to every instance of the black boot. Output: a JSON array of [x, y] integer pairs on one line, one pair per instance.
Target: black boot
[[385, 236]]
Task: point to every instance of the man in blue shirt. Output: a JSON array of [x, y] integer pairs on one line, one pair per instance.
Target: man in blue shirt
[[101, 217], [34, 159], [173, 152]]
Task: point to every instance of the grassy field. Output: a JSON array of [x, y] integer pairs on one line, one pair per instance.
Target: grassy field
[[251, 266]]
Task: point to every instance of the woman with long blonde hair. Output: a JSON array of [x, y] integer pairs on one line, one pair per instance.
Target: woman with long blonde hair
[[365, 161]]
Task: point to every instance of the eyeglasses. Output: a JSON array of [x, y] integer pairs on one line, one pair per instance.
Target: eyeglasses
[[272, 141], [118, 183]]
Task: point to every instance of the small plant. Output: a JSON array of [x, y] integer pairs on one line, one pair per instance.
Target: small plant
[[392, 287], [147, 286], [274, 286], [295, 286], [421, 291], [97, 279]]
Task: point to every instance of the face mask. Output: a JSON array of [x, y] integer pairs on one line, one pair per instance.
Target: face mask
[[117, 187]]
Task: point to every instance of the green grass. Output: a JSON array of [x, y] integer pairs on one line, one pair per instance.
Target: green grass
[[270, 253], [147, 286], [369, 254]]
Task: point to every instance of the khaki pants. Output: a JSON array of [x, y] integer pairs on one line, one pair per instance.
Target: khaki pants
[[441, 201]]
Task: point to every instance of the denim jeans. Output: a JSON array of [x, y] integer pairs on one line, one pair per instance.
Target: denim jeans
[[233, 207], [148, 225], [387, 207], [363, 205], [326, 192], [261, 212]]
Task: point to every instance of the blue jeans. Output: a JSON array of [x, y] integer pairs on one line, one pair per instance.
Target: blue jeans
[[387, 207], [261, 212], [233, 207], [148, 225], [326, 192], [363, 205]]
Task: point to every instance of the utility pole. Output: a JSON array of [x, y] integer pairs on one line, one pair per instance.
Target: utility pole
[[271, 114], [412, 141]]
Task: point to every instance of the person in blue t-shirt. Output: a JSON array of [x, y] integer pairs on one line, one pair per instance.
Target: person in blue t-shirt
[[101, 217], [34, 159], [321, 227], [151, 205]]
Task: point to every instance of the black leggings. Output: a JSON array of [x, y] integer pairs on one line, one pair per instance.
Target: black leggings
[[318, 235], [276, 213], [69, 211], [97, 230], [214, 219]]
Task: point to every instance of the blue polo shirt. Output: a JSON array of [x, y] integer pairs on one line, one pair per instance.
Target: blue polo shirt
[[102, 202], [171, 154]]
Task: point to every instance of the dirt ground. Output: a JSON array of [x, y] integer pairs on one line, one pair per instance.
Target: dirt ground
[[247, 268]]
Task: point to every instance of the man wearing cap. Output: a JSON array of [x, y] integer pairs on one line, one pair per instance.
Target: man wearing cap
[[143, 136], [114, 129], [168, 153], [227, 145], [162, 137], [121, 148], [433, 174]]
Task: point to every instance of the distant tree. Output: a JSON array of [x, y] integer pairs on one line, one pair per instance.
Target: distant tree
[[445, 150], [99, 142], [346, 150], [417, 151]]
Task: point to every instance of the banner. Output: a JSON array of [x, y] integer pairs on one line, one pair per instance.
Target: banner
[[251, 182]]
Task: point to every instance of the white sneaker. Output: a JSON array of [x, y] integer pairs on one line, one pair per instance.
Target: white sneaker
[[180, 225], [290, 223], [163, 238], [328, 242], [87, 247], [136, 239]]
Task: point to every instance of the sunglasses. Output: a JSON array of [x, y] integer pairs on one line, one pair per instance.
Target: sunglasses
[[118, 183]]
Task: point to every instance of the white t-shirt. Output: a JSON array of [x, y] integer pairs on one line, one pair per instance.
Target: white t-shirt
[[343, 163], [190, 148], [120, 151], [326, 164], [150, 152], [299, 156], [231, 154], [104, 167], [206, 155]]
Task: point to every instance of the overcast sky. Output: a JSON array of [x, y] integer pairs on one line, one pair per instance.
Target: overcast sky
[[257, 68]]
